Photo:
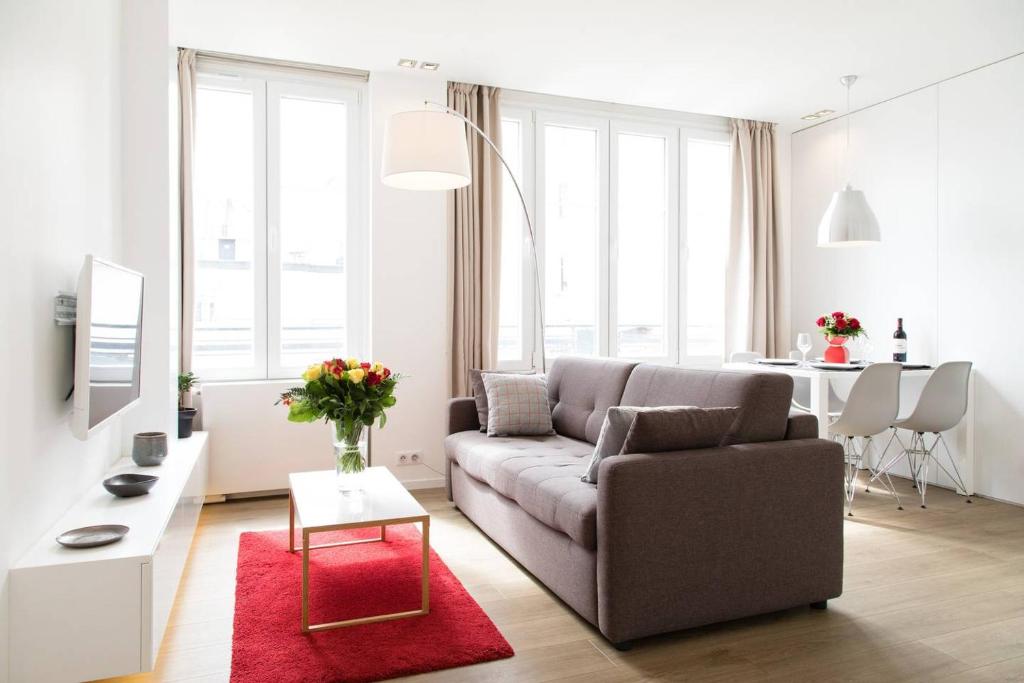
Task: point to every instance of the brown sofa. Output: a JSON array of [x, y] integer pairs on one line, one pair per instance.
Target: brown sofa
[[664, 541]]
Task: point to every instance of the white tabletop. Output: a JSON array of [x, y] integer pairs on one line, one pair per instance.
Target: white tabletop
[[802, 370], [318, 503]]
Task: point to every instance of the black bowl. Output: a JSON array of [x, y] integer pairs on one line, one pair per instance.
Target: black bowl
[[128, 485]]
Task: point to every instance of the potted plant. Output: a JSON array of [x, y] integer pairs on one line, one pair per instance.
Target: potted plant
[[838, 329], [352, 395], [186, 413]]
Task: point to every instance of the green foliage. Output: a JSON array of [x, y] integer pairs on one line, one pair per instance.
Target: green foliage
[[185, 383]]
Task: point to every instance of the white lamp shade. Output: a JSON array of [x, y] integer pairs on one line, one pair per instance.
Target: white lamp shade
[[425, 150], [848, 221]]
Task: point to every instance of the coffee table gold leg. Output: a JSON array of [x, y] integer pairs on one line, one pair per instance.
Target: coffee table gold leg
[[305, 581], [383, 533], [291, 522], [426, 566]]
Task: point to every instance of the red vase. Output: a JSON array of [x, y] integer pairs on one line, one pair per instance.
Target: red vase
[[836, 351]]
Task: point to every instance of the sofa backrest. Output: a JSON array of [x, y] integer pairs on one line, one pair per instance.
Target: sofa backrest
[[763, 398], [581, 390]]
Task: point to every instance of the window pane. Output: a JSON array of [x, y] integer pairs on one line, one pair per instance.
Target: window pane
[[571, 219], [313, 224], [642, 222], [707, 234], [224, 337], [510, 315]]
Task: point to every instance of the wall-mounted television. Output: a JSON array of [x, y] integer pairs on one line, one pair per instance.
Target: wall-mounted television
[[108, 344]]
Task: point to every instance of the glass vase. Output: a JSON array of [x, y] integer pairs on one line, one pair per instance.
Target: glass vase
[[349, 458]]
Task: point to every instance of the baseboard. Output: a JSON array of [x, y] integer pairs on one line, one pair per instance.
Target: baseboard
[[426, 483]]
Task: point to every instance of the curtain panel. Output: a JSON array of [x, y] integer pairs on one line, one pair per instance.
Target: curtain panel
[[474, 244], [755, 300], [186, 149]]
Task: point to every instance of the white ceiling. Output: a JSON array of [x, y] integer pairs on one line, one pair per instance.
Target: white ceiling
[[770, 60]]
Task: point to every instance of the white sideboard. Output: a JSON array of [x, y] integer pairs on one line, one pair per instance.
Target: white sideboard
[[84, 614]]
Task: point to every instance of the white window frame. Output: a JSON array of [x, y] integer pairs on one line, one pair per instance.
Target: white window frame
[[670, 135], [685, 358], [533, 112], [600, 125], [267, 85], [524, 118]]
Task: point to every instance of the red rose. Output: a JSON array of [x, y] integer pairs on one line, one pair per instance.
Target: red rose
[[840, 324], [839, 315], [386, 373], [821, 321], [854, 324], [373, 379], [365, 366]]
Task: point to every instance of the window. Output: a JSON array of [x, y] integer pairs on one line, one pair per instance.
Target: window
[[278, 222], [632, 229]]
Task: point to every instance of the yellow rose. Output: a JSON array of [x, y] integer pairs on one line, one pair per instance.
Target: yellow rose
[[377, 367], [313, 372], [356, 375], [352, 363]]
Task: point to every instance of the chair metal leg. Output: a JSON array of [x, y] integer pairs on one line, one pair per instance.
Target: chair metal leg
[[887, 482], [922, 480]]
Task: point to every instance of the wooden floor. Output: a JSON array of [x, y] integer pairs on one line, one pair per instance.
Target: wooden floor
[[929, 595]]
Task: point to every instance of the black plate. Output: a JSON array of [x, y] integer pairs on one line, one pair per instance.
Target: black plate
[[92, 536], [128, 485]]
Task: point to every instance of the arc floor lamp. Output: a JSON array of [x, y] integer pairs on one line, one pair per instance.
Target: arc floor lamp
[[427, 150]]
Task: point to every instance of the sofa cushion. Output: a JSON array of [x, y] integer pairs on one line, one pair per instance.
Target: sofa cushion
[[581, 390], [617, 421], [677, 428], [763, 398], [541, 473]]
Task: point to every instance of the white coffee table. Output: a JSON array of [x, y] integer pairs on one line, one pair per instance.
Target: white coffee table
[[314, 500]]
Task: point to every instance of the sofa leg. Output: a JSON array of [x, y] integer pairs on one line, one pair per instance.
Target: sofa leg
[[820, 605], [624, 646]]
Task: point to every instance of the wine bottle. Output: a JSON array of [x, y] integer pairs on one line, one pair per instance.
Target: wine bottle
[[899, 343]]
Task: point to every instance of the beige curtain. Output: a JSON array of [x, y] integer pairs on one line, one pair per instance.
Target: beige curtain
[[474, 257], [755, 303], [186, 146]]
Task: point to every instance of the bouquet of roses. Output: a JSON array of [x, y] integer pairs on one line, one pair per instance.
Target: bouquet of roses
[[349, 393], [838, 324]]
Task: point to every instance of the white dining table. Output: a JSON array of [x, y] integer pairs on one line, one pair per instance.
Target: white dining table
[[963, 442]]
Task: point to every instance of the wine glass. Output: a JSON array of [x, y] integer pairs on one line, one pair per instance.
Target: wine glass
[[866, 347], [803, 342]]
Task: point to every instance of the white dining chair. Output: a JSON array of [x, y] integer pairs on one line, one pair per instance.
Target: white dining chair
[[744, 356], [872, 407], [941, 406], [802, 393]]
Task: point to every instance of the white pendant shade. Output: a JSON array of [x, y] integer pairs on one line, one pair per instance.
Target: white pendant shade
[[425, 150], [848, 221]]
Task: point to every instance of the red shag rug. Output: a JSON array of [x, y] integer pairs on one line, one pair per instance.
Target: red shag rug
[[345, 583]]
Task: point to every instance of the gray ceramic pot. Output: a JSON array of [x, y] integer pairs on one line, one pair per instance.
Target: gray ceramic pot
[[149, 448]]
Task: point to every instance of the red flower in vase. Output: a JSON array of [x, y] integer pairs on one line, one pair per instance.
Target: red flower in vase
[[821, 321], [841, 323]]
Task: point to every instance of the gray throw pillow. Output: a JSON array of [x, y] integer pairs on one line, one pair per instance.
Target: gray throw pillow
[[476, 382], [678, 429], [617, 422], [517, 405], [636, 429]]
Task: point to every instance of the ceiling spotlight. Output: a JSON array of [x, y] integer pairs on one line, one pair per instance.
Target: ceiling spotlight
[[430, 66], [824, 112], [811, 117], [407, 63]]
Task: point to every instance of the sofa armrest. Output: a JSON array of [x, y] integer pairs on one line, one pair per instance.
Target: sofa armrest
[[696, 537], [801, 426], [462, 415]]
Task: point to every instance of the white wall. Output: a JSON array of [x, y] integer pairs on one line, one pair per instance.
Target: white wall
[[150, 204], [60, 188], [942, 169]]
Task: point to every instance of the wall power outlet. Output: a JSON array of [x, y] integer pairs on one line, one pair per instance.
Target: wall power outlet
[[409, 457]]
